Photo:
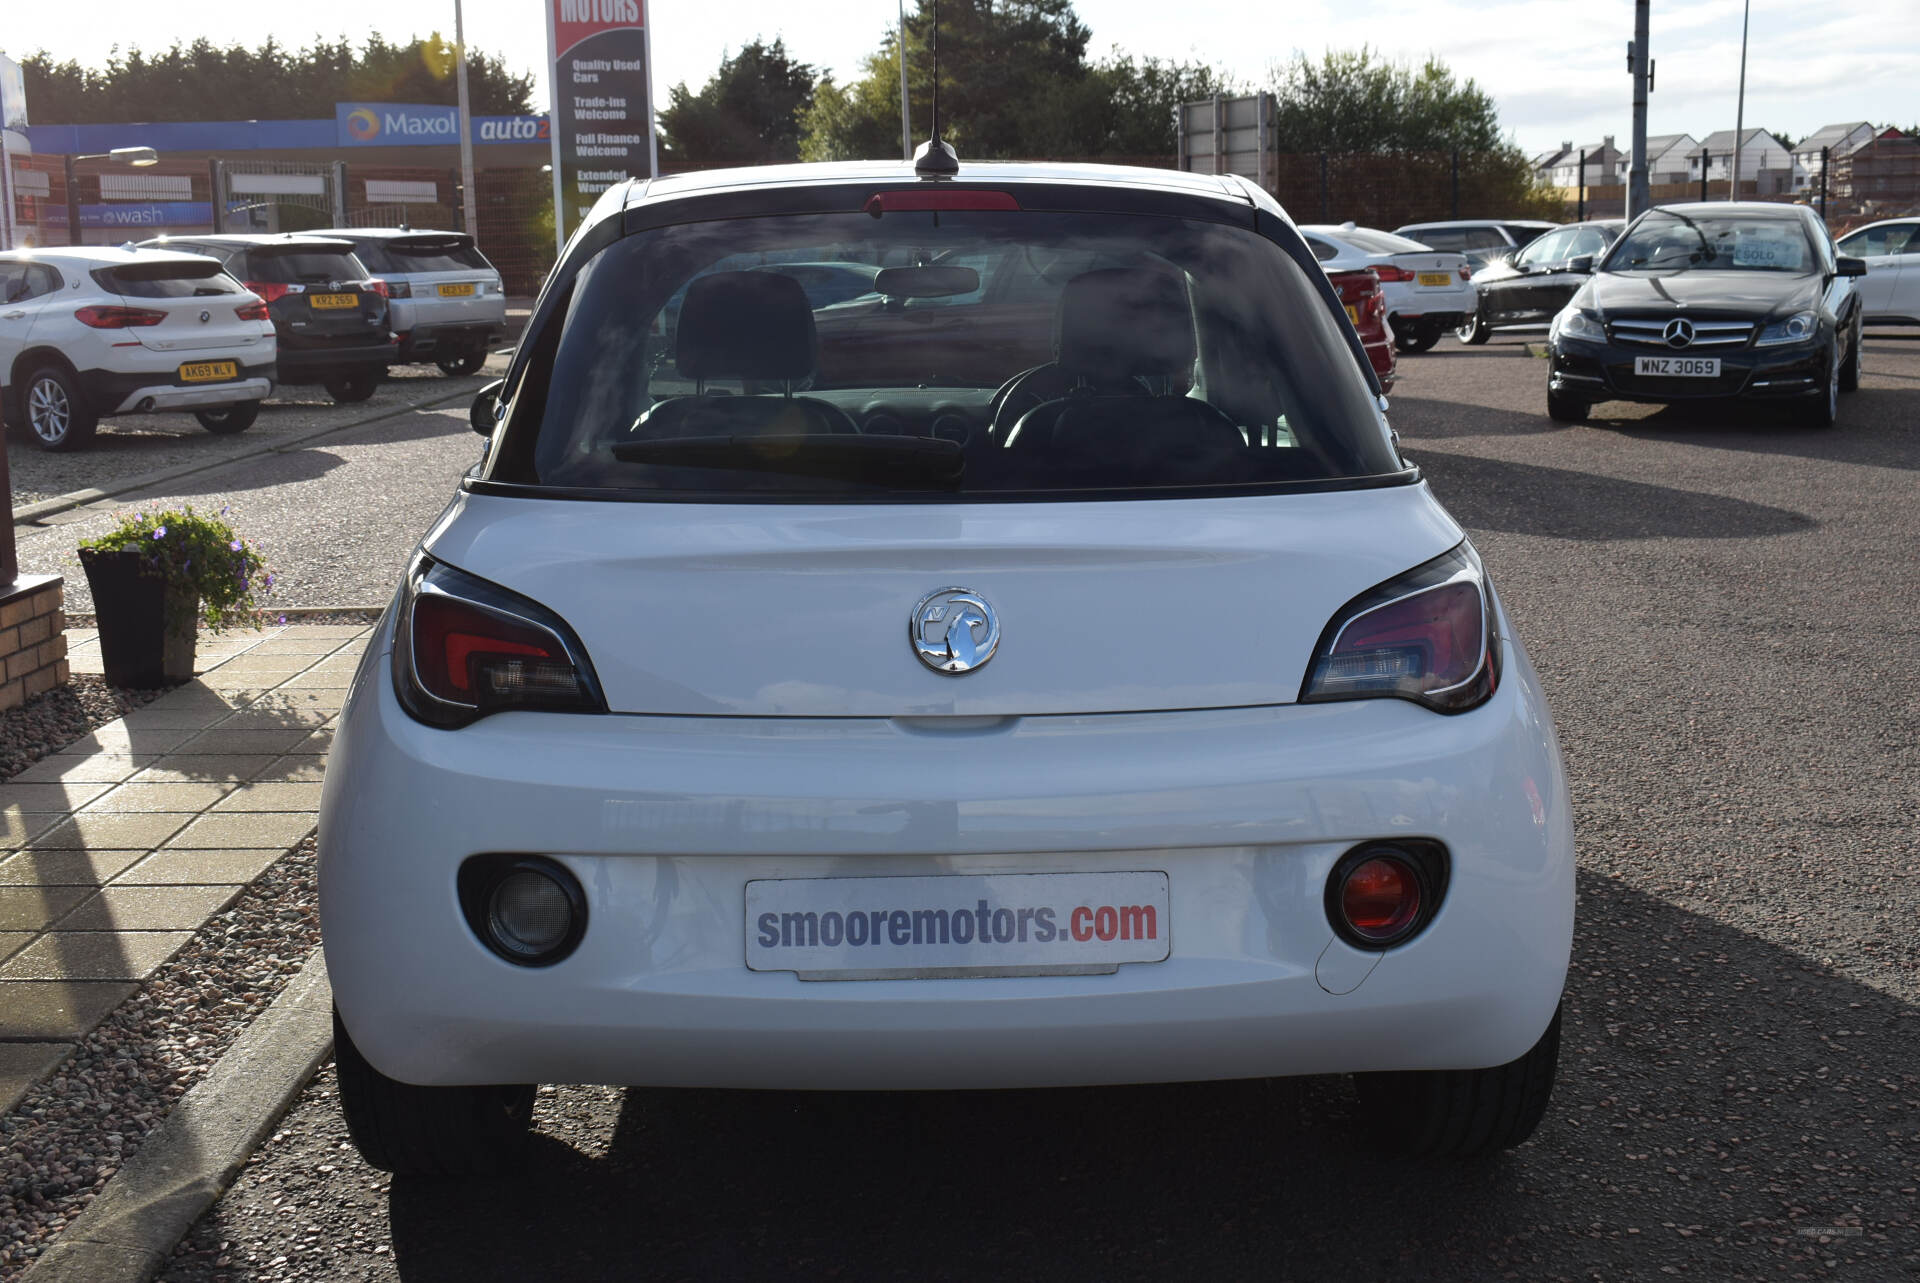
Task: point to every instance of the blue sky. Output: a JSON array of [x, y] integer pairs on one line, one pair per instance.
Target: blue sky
[[1557, 68]]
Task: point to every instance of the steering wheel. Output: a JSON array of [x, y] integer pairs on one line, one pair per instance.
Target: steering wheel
[[1022, 392]]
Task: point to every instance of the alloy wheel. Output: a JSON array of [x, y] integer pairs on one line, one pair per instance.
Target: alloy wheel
[[49, 411]]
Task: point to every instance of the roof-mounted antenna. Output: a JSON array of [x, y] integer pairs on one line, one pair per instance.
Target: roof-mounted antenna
[[935, 159]]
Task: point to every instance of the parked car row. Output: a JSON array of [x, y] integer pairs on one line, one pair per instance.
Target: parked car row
[[211, 324]]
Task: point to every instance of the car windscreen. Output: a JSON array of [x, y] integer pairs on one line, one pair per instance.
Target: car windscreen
[[302, 267], [400, 255], [1668, 241], [1004, 353], [184, 279]]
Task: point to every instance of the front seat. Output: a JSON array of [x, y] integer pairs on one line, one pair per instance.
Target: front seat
[[752, 326]]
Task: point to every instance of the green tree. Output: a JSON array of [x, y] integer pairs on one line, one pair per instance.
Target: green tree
[[1351, 101], [202, 81], [748, 112]]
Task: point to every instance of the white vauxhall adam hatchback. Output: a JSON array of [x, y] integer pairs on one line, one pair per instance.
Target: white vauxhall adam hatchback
[[1042, 671]]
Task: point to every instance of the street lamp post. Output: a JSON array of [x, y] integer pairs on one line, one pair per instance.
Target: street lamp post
[[1740, 105], [139, 157], [468, 197]]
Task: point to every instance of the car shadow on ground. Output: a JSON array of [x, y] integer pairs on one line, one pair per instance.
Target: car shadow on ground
[[1718, 1095], [1526, 499], [1875, 428]]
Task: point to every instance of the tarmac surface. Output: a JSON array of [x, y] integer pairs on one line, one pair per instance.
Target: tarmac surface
[[1721, 606]]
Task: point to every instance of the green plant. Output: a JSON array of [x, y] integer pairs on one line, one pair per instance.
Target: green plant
[[196, 555]]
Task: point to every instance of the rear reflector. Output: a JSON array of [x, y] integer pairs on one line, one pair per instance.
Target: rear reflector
[[939, 198], [1382, 894]]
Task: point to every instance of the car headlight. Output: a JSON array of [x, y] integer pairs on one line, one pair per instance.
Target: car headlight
[[1797, 328], [1576, 324]]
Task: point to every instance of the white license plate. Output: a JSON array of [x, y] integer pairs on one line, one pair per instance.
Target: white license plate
[[955, 926], [1678, 367], [1436, 278]]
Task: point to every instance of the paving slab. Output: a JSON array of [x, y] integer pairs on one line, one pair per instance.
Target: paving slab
[[321, 742], [280, 795], [109, 832], [303, 644], [17, 828], [139, 796], [48, 1010], [148, 908], [268, 713], [118, 737], [207, 868], [101, 768], [64, 868], [256, 740], [31, 799], [295, 768], [11, 942], [35, 908], [235, 830], [94, 955], [205, 768], [333, 679], [22, 1064]]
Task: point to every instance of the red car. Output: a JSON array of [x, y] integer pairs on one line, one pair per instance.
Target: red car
[[1367, 309]]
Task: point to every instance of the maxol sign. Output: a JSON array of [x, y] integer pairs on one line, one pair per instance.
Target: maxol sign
[[394, 124]]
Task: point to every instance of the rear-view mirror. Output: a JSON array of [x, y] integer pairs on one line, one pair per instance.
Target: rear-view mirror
[[484, 413], [1583, 263], [1851, 266], [926, 282]]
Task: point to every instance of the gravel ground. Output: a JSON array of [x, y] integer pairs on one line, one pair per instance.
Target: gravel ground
[[71, 1132], [50, 721]]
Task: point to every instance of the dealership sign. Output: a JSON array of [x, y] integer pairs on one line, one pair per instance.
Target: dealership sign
[[602, 102], [394, 124], [165, 213]]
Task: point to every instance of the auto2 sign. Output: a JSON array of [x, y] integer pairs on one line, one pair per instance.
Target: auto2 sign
[[602, 102]]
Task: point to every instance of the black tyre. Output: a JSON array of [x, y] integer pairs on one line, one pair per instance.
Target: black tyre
[[1822, 408], [1463, 1113], [1475, 332], [1850, 372], [1565, 407], [429, 1131], [57, 414], [1415, 337], [463, 364], [225, 420], [353, 385]]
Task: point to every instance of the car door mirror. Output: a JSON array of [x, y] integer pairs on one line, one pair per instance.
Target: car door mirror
[[1851, 266], [484, 413], [1582, 263]]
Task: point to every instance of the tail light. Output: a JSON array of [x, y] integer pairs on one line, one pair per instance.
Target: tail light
[[377, 286], [1390, 272], [1381, 894], [1427, 636], [269, 291], [466, 648], [119, 318], [399, 289], [255, 311], [1466, 271]]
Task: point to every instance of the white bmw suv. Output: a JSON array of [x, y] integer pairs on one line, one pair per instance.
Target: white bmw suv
[[1043, 671], [90, 332]]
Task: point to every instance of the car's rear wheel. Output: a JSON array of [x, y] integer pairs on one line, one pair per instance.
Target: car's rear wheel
[[1415, 336], [429, 1131], [1566, 407], [1463, 1113], [225, 420], [58, 416], [1475, 332], [352, 385], [464, 363]]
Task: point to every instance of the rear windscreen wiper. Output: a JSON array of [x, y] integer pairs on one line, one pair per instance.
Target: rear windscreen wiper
[[919, 461]]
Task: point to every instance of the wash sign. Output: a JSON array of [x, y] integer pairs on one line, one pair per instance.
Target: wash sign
[[169, 213], [394, 124]]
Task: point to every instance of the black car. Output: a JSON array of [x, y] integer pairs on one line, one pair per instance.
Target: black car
[[1530, 285], [329, 316], [1703, 301]]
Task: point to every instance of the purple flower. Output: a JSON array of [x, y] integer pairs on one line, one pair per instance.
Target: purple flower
[[159, 532], [283, 619], [234, 546]]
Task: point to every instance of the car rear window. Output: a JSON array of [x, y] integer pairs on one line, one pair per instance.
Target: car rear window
[[1380, 242], [1003, 354], [187, 279], [302, 267], [425, 254]]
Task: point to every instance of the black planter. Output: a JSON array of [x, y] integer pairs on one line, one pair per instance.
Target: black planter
[[146, 628]]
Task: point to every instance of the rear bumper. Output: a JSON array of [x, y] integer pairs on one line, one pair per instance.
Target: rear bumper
[[664, 821], [430, 342], [117, 392], [311, 364]]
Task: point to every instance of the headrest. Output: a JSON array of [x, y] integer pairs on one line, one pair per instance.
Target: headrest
[[1123, 321], [745, 325]]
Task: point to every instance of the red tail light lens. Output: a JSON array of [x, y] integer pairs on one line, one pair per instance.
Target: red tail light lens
[[1381, 894], [253, 312], [1389, 272], [1380, 897], [269, 291], [466, 648], [1466, 272], [379, 287], [119, 318], [1427, 636]]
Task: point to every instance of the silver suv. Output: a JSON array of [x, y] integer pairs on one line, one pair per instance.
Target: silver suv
[[448, 305]]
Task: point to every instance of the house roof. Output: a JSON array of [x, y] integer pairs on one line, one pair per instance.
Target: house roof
[[1722, 140], [1829, 135]]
